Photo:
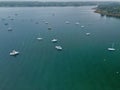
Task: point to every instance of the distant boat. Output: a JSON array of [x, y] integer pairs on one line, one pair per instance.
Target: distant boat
[[39, 39], [54, 40], [58, 47], [10, 29], [6, 24], [67, 22], [82, 26], [16, 14], [3, 19], [46, 22], [112, 49], [87, 34], [77, 23], [12, 19], [14, 53], [49, 28], [43, 20], [36, 22], [9, 17]]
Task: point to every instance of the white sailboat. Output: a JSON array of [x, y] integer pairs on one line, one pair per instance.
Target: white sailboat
[[112, 48]]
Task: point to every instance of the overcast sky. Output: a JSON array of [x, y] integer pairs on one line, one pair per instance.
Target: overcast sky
[[59, 0]]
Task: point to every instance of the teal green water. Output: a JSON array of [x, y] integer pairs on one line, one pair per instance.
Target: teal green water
[[83, 64]]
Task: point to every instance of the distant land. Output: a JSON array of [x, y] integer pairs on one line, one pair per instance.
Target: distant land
[[111, 9], [104, 8], [46, 4]]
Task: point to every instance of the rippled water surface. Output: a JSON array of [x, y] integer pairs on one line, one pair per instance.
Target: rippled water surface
[[83, 64]]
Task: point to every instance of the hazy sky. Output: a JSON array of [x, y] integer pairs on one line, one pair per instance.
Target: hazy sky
[[59, 0]]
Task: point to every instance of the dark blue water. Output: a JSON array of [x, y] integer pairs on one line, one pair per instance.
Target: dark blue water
[[83, 64]]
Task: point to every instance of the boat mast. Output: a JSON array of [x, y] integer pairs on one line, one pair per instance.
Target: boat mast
[[113, 45]]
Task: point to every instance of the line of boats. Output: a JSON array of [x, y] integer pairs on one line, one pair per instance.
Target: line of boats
[[49, 27], [15, 52], [57, 47], [54, 41], [77, 23]]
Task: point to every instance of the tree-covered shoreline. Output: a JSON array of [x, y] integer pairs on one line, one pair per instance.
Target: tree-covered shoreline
[[112, 9], [104, 8]]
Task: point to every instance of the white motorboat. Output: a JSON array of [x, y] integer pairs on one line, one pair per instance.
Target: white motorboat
[[46, 22], [39, 39], [14, 53], [67, 22], [77, 23], [54, 40], [87, 34], [58, 47], [82, 26]]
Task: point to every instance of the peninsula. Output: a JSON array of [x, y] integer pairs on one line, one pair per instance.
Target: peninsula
[[111, 9]]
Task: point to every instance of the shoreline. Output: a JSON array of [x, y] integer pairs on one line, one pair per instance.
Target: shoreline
[[105, 13]]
